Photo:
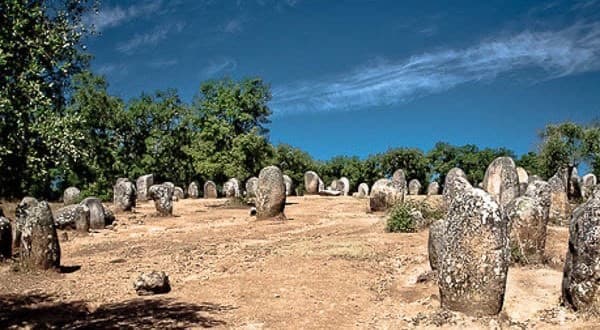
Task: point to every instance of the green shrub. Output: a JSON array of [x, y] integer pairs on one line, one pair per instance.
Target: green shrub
[[400, 219]]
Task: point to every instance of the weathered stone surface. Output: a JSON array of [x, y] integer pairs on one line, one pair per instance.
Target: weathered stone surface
[[587, 182], [501, 180], [98, 216], [533, 178], [179, 193], [210, 190], [363, 190], [289, 185], [540, 191], [474, 264], [231, 188], [574, 185], [5, 238], [343, 185], [453, 186], [559, 201], [581, 284], [523, 179], [384, 194], [330, 192], [414, 187], [399, 181], [39, 242], [193, 190], [73, 217], [152, 283], [333, 185], [433, 189], [251, 186], [321, 185], [71, 195], [311, 182], [142, 184], [21, 218], [528, 222], [162, 195], [124, 195], [435, 244], [270, 194]]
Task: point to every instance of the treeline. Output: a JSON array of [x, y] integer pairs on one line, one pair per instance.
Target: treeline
[[60, 127]]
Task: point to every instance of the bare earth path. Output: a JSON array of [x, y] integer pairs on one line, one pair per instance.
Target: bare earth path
[[330, 266]]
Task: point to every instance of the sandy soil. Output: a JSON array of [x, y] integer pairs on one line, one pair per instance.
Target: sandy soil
[[331, 265]]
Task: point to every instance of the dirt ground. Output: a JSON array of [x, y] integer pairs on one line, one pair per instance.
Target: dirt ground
[[331, 265]]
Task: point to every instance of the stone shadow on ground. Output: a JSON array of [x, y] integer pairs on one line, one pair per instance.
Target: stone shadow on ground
[[40, 311]]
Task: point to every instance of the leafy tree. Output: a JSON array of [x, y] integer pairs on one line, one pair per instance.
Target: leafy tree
[[469, 158], [40, 50], [229, 121], [293, 162], [102, 123], [411, 160], [156, 137], [337, 167], [531, 163]]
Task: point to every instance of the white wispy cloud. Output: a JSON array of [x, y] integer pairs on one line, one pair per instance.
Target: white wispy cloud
[[547, 55], [233, 25], [151, 38], [220, 66], [108, 17], [162, 63]]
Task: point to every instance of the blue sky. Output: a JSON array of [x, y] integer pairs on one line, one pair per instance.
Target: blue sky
[[357, 77]]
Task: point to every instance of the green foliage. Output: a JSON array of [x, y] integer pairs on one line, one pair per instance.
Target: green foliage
[[567, 145], [411, 160], [293, 162], [531, 163], [472, 160], [40, 50], [400, 219], [229, 135]]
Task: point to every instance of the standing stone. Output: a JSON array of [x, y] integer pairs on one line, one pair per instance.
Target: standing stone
[[333, 185], [580, 286], [312, 183], [363, 190], [453, 186], [343, 185], [270, 194], [231, 188], [210, 190], [251, 186], [21, 218], [523, 179], [179, 193], [142, 185], [384, 194], [528, 230], [321, 185], [98, 218], [193, 190], [39, 241], [414, 187], [474, 264], [559, 201], [399, 181], [71, 195], [533, 178], [124, 195], [435, 244], [588, 181], [73, 217], [540, 191], [162, 195], [501, 180], [5, 238], [433, 189], [289, 185], [574, 185]]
